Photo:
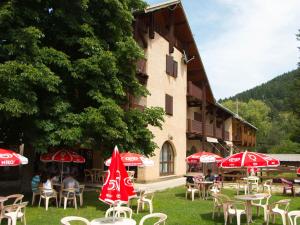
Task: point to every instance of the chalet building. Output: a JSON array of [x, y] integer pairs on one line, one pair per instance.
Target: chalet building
[[175, 76]]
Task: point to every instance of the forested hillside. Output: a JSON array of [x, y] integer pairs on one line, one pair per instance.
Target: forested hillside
[[273, 107], [276, 93]]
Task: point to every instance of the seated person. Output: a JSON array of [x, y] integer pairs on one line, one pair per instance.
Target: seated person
[[70, 182], [209, 176], [36, 179], [47, 184]]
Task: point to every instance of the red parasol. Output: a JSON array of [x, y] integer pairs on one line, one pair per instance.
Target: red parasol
[[11, 158], [117, 187], [298, 170], [203, 157], [132, 159], [248, 159], [63, 156]]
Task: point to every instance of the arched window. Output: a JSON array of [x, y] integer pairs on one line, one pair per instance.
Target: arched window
[[166, 160]]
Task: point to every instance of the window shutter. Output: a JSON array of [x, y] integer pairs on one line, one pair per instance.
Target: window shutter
[[169, 65], [197, 116], [169, 105], [175, 68]]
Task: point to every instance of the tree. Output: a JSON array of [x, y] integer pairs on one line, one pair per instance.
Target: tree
[[66, 70]]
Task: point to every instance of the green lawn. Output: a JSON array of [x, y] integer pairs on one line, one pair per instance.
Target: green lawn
[[172, 202]]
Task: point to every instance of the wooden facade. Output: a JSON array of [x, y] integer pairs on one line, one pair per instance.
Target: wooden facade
[[243, 134]]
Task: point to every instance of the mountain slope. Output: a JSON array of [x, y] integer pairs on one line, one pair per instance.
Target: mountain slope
[[278, 93]]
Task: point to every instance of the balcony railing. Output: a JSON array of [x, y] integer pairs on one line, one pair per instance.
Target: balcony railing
[[193, 91], [194, 126]]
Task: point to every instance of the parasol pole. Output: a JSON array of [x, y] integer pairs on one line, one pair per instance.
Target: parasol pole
[[62, 172]]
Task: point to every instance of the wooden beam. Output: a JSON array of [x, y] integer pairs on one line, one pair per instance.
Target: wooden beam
[[171, 32], [151, 25], [203, 116]]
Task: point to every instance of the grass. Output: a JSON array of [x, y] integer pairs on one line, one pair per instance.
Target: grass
[[171, 202]]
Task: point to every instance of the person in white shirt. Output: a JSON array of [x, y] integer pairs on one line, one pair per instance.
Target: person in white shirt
[[47, 184]]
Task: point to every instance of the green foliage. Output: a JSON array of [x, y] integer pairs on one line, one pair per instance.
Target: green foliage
[[66, 68], [277, 93], [256, 112], [286, 146], [281, 128]]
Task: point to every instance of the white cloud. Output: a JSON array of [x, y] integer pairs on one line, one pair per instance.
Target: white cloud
[[258, 43]]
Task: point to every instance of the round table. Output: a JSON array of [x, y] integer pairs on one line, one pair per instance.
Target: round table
[[109, 221], [249, 199], [203, 187]]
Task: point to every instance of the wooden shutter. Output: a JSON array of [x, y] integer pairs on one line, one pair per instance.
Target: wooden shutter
[[169, 65], [169, 105], [197, 116], [175, 68]]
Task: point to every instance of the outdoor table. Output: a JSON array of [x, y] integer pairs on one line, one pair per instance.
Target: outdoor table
[[249, 199], [203, 187], [117, 221]]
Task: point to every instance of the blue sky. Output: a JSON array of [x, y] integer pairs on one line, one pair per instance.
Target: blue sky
[[244, 43]]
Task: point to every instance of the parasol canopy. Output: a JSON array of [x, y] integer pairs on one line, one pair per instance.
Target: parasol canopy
[[203, 157], [248, 159], [11, 158], [132, 159]]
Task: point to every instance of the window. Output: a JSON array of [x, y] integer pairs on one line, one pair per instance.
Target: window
[[171, 66], [169, 105], [166, 160]]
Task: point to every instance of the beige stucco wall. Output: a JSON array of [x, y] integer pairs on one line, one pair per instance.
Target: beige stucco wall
[[159, 84]]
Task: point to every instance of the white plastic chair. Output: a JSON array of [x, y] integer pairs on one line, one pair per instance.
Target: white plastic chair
[[47, 196], [80, 194], [252, 182], [293, 216], [68, 194], [219, 200], [15, 212], [234, 208], [120, 211], [66, 220], [273, 209], [160, 216], [14, 199], [145, 198], [262, 203], [34, 194], [192, 189], [268, 186]]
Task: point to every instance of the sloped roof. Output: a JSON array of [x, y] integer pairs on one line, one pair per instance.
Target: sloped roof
[[236, 116], [286, 157]]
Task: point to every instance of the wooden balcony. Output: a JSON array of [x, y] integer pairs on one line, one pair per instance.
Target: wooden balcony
[[236, 137], [219, 133], [209, 130], [141, 70], [194, 94], [194, 127]]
